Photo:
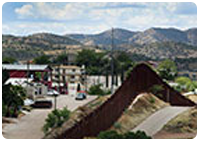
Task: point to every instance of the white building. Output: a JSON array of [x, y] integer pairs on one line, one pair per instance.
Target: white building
[[33, 90]]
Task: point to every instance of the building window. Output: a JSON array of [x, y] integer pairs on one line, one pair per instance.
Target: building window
[[64, 78], [40, 91]]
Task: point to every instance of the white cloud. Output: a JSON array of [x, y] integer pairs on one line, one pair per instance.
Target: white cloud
[[92, 17], [25, 10], [18, 28]]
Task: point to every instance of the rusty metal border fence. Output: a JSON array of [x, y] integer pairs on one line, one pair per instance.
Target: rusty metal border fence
[[141, 79]]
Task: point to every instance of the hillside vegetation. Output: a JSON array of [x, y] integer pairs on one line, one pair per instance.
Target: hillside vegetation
[[154, 43]]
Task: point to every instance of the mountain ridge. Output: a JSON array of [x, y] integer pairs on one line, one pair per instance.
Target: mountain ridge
[[121, 36], [151, 35]]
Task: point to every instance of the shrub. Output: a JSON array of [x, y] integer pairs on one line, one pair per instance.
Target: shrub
[[129, 135], [56, 118], [152, 100], [97, 90], [178, 88], [156, 89], [117, 125], [109, 135], [136, 135]]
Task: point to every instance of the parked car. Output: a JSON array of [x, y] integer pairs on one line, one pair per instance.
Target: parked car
[[52, 92], [42, 104], [28, 102], [81, 95]]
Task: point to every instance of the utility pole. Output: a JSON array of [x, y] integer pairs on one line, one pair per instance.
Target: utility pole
[[59, 74], [55, 101], [28, 68], [112, 63]]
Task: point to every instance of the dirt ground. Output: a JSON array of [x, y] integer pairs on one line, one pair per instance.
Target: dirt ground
[[30, 125]]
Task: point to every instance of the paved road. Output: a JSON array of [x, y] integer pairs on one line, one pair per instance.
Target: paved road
[[156, 121], [30, 125]]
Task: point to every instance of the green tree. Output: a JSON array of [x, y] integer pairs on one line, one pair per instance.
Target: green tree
[[186, 84], [86, 57], [8, 60], [167, 69], [93, 61], [44, 59], [5, 76], [61, 59], [182, 80], [191, 86], [12, 97]]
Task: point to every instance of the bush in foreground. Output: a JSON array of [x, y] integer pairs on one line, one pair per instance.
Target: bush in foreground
[[56, 118], [128, 135]]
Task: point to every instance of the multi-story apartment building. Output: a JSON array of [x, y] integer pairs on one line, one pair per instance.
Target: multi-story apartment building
[[63, 75]]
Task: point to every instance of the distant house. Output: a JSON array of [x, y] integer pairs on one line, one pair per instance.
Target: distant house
[[33, 90], [38, 73]]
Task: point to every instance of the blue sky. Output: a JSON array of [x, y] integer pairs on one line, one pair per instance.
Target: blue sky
[[91, 18]]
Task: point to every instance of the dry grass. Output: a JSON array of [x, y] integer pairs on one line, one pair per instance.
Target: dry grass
[[138, 112], [193, 97], [97, 102], [183, 123]]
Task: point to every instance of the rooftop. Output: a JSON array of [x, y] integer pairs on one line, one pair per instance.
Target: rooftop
[[18, 81], [24, 67], [68, 67]]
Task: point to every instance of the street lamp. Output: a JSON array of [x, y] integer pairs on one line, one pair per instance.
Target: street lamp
[[55, 99]]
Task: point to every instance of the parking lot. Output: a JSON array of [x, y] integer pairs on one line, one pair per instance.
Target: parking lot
[[30, 125]]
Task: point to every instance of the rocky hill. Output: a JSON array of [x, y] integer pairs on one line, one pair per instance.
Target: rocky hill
[[121, 36], [44, 41], [29, 47], [163, 50], [152, 35]]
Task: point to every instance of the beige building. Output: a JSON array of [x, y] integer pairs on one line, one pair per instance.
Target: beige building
[[69, 74], [64, 76]]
